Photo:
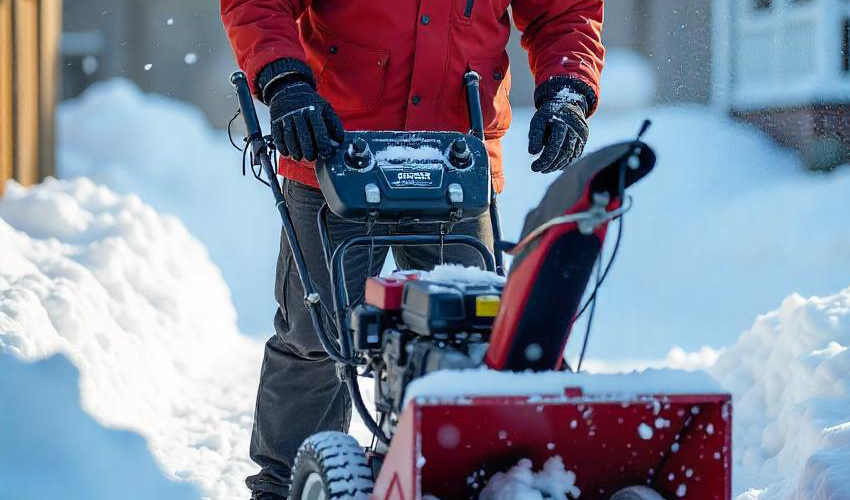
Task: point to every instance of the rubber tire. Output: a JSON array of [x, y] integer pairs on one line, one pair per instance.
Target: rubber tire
[[637, 493], [340, 462]]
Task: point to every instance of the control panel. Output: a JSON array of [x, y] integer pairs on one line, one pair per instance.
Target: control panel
[[392, 177]]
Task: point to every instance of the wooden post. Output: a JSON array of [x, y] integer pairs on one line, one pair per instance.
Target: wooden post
[[30, 32], [6, 136]]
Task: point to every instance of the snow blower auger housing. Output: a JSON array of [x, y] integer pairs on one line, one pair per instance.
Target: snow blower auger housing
[[467, 365]]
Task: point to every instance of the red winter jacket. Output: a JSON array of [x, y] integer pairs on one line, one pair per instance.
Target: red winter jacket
[[399, 64]]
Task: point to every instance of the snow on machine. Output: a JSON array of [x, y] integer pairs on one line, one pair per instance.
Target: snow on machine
[[472, 394]]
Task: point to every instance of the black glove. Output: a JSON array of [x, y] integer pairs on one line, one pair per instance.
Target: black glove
[[304, 126], [559, 127]]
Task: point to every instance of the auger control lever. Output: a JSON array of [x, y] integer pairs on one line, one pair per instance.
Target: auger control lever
[[460, 156], [358, 155]]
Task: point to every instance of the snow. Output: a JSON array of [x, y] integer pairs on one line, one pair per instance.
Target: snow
[[451, 385], [165, 151], [134, 303], [400, 153], [676, 358], [50, 448], [451, 273], [725, 227], [644, 431], [790, 377], [520, 482]]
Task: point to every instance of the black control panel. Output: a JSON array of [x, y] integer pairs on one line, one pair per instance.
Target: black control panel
[[407, 176]]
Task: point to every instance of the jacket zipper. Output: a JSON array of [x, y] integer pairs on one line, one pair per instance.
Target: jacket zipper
[[467, 12]]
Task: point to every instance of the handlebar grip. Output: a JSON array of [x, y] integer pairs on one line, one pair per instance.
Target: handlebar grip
[[473, 101], [246, 105]]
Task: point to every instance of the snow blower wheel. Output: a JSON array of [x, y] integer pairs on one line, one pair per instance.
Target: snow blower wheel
[[331, 465], [637, 493]]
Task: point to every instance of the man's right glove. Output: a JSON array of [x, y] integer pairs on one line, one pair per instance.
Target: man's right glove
[[559, 128], [304, 126]]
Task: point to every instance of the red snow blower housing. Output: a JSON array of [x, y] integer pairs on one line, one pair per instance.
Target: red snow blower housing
[[470, 386]]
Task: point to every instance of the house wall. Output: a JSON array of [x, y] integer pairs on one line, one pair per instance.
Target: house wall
[[674, 36], [124, 35], [785, 69], [120, 37]]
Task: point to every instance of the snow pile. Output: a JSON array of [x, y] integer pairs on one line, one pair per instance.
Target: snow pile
[[133, 301], [790, 377], [522, 483], [165, 151], [49, 448]]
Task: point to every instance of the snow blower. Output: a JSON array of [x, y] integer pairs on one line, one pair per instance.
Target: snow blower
[[472, 393]]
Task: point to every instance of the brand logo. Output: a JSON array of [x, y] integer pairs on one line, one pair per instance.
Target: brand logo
[[414, 176]]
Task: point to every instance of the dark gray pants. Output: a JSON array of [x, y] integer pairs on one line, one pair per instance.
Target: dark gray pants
[[299, 391]]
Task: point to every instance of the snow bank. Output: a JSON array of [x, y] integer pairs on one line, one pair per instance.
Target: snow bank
[[790, 377], [165, 151], [49, 448], [133, 301]]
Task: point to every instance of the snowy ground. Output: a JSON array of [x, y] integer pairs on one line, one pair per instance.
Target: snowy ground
[[727, 227]]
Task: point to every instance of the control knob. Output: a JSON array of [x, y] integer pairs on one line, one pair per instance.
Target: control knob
[[459, 155], [358, 155]]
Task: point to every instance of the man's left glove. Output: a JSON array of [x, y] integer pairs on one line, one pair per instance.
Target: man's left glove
[[304, 126], [559, 128]]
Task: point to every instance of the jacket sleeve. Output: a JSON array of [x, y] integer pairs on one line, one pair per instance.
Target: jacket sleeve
[[563, 39], [263, 31]]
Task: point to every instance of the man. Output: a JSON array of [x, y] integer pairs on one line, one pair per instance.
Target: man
[[324, 66]]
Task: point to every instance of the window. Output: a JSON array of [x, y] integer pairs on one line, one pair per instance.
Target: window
[[762, 4]]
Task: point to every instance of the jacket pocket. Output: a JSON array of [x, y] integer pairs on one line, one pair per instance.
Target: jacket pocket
[[462, 10], [352, 77], [495, 88]]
